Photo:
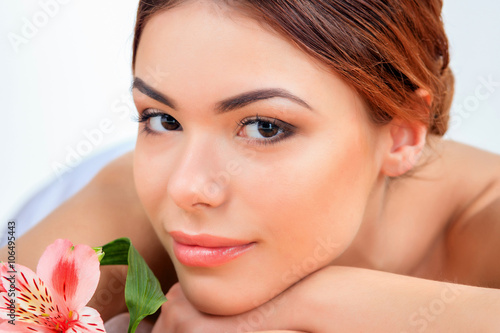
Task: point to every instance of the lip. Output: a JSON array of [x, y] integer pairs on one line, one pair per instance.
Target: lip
[[205, 250]]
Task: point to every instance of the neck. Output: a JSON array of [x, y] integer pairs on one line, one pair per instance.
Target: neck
[[365, 249], [376, 243]]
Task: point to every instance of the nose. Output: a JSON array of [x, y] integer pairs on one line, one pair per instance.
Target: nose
[[198, 178]]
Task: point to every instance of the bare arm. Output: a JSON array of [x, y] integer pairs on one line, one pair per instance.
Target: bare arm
[[350, 299], [106, 209]]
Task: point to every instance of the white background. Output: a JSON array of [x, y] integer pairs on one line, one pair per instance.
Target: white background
[[74, 72]]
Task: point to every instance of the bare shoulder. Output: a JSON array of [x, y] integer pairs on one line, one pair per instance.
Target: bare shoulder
[[471, 237], [470, 157], [460, 172], [474, 173], [458, 160], [117, 171]]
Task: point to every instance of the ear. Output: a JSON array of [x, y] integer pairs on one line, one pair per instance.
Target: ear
[[406, 143]]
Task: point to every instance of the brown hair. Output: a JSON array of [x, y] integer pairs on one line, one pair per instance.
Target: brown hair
[[385, 49]]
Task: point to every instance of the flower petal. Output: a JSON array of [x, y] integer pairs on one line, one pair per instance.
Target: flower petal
[[33, 300], [5, 327], [6, 271], [89, 322], [71, 272]]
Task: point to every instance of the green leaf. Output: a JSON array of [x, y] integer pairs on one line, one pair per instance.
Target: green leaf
[[143, 294], [116, 252]]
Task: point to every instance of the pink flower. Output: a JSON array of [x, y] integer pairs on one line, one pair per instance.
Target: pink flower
[[54, 299]]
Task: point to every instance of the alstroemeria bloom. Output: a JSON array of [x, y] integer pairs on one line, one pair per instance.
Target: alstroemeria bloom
[[54, 299]]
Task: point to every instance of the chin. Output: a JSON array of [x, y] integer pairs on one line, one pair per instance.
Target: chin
[[222, 298], [219, 308]]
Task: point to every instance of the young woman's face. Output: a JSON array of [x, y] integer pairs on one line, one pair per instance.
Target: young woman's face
[[247, 138]]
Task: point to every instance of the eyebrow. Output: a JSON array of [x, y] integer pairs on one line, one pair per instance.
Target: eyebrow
[[226, 105]]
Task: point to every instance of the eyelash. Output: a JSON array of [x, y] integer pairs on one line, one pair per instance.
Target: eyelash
[[286, 129], [144, 117]]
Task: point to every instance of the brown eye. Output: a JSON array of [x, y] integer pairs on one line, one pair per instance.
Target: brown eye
[[267, 129], [169, 123], [164, 122], [261, 129]]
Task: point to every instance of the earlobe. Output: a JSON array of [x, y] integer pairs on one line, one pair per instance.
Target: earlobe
[[406, 144]]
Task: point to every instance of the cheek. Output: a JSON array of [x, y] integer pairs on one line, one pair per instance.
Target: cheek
[[313, 197], [150, 178], [305, 209]]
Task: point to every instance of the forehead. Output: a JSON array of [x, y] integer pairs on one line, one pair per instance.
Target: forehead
[[196, 40], [201, 51]]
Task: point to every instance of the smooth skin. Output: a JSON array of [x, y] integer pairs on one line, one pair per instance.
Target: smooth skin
[[214, 176], [339, 241]]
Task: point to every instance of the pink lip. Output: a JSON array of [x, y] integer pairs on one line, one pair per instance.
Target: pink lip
[[206, 250]]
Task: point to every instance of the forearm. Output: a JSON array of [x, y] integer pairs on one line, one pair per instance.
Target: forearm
[[350, 299], [347, 299]]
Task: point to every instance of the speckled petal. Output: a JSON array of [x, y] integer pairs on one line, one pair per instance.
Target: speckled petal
[[71, 272], [23, 327], [89, 322], [33, 300], [5, 269]]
